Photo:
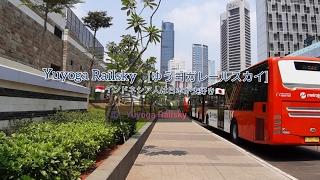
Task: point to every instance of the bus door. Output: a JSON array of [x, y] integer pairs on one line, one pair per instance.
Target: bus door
[[220, 112]]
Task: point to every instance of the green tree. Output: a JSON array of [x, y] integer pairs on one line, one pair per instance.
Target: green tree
[[119, 55], [147, 66], [145, 33], [95, 21], [44, 8]]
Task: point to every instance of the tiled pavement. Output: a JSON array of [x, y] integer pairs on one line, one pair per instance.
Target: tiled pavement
[[184, 150]]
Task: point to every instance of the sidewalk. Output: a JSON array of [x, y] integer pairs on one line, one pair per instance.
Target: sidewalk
[[185, 150]]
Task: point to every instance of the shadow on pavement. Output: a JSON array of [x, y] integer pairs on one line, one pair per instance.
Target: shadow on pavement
[[154, 151]]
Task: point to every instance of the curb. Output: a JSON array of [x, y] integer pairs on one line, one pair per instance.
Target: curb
[[117, 166]]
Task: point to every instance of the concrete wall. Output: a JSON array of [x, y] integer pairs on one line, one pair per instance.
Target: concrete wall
[[24, 93], [21, 34], [20, 38]]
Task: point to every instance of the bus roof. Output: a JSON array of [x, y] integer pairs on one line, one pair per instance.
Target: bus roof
[[289, 58]]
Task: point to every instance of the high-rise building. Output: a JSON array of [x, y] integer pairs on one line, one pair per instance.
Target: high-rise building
[[212, 71], [284, 26], [235, 36], [178, 66], [200, 62], [167, 45]]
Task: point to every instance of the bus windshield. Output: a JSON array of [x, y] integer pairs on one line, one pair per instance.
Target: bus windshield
[[300, 74]]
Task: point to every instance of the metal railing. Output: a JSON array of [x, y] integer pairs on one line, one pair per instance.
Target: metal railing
[[82, 33]]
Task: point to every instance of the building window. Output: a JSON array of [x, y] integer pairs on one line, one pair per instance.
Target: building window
[[279, 17], [57, 32], [270, 17], [305, 27], [55, 67], [304, 18], [295, 27], [281, 47], [246, 11], [306, 9], [294, 18], [280, 26], [297, 8], [274, 7], [71, 63], [234, 11], [270, 25], [314, 28], [271, 47]]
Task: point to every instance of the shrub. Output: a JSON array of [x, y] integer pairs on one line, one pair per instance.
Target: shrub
[[60, 148]]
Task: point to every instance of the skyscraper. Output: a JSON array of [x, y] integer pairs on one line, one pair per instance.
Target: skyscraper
[[212, 71], [283, 26], [178, 66], [235, 36], [167, 45], [200, 62]]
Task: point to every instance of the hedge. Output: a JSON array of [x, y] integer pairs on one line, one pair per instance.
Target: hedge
[[60, 148]]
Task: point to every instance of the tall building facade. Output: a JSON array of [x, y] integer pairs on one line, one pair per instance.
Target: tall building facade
[[167, 45], [178, 66], [212, 71], [200, 62], [283, 26], [235, 36]]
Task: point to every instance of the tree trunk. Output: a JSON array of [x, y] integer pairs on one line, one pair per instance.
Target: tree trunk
[[42, 39], [90, 68], [131, 105], [109, 108], [150, 105]]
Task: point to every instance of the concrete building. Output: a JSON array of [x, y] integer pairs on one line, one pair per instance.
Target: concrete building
[[67, 43], [200, 62], [178, 66], [167, 45], [235, 36], [283, 26]]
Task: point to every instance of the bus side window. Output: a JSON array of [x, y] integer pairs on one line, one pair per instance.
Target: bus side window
[[261, 88], [251, 92]]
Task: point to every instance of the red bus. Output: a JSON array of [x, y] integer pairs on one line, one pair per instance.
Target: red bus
[[283, 108]]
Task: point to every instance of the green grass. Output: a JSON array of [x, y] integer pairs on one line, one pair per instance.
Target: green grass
[[140, 123]]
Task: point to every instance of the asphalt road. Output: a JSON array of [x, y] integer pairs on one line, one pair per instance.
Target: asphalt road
[[300, 162]]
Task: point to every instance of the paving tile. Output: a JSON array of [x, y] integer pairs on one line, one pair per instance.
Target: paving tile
[[184, 150]]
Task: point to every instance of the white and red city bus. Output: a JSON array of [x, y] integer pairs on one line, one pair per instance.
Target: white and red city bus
[[283, 111]]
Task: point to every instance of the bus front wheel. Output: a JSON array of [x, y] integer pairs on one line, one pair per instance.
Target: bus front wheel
[[234, 133]]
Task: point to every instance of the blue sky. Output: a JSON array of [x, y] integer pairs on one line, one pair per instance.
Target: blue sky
[[196, 21]]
